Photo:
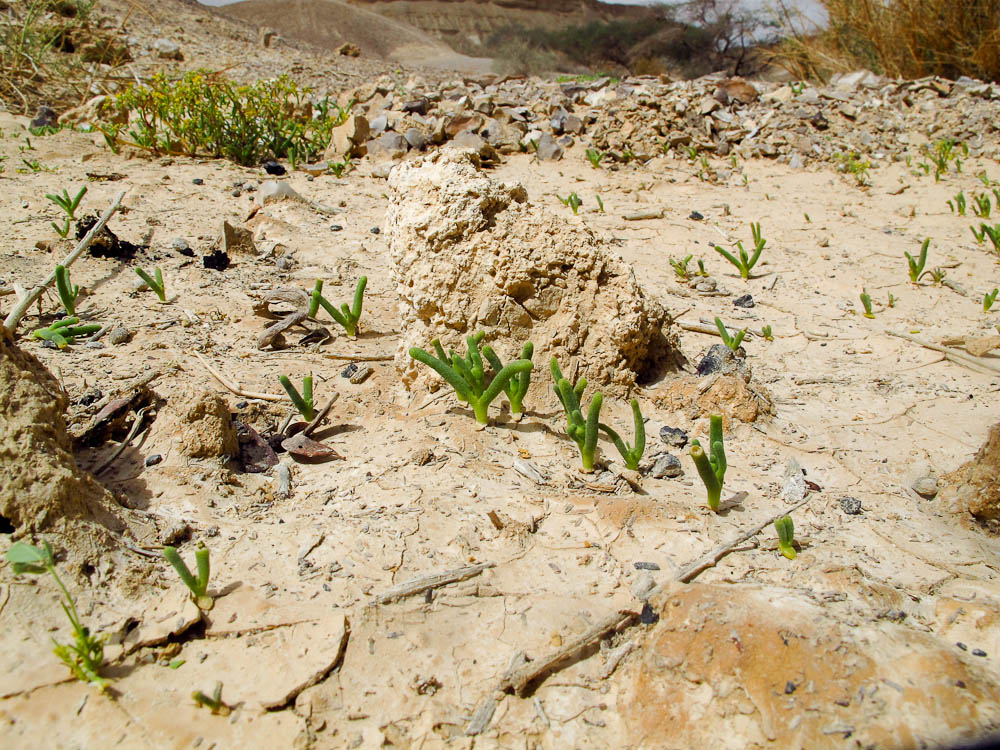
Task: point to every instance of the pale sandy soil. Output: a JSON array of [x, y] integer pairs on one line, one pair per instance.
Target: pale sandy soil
[[862, 412]]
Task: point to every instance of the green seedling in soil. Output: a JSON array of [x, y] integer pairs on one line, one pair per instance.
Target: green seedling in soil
[[303, 402], [197, 585], [985, 230], [983, 178], [338, 167], [212, 702], [64, 331], [600, 204], [808, 220], [573, 201], [767, 334], [594, 157], [67, 291], [692, 152], [701, 269], [581, 431], [979, 234], [517, 387], [467, 375], [866, 301], [69, 206], [733, 342], [981, 206], [712, 466], [943, 153], [681, 267], [786, 536], [348, 317], [84, 656], [937, 274], [154, 282], [917, 266], [632, 454], [958, 204], [891, 301], [988, 299], [852, 164], [745, 262]]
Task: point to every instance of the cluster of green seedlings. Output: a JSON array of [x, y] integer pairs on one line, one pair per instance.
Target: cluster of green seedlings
[[744, 261], [573, 202], [468, 375], [680, 266], [853, 164], [982, 205], [940, 155], [346, 316], [84, 657]]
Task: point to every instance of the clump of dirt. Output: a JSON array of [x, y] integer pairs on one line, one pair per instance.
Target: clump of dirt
[[729, 395], [470, 253], [43, 489], [768, 667], [203, 426], [975, 486]]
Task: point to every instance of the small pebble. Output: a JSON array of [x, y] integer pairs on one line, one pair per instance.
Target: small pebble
[[674, 436], [648, 616], [790, 687], [95, 345], [926, 487], [696, 216], [349, 371], [118, 335], [272, 167], [180, 245], [646, 566], [978, 652], [242, 405], [154, 459], [198, 181], [336, 228], [745, 301], [361, 375], [375, 230], [851, 506], [962, 646], [666, 466]]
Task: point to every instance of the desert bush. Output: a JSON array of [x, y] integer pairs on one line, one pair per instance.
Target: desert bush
[[897, 38], [203, 114], [521, 57]]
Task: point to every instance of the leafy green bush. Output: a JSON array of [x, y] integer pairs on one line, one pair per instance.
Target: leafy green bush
[[204, 115]]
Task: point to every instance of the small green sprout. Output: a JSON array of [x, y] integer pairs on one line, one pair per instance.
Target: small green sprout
[[68, 205], [84, 656], [917, 266], [733, 342], [680, 267], [766, 332], [348, 317], [197, 585], [979, 234], [517, 387], [745, 262], [786, 536], [64, 331], [573, 201], [581, 431], [154, 282], [701, 268], [212, 702], [632, 454], [338, 167], [711, 467], [303, 402], [594, 157], [959, 204], [600, 204], [981, 206], [937, 274], [67, 291], [808, 220], [983, 178], [467, 375], [891, 302], [851, 163], [993, 232], [988, 299], [866, 301], [941, 154], [691, 151]]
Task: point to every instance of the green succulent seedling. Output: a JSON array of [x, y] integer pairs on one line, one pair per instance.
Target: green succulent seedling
[[786, 536], [84, 656], [891, 302], [680, 267], [981, 206], [198, 585], [348, 317], [745, 262], [941, 154], [917, 266], [959, 204], [632, 454], [983, 178], [154, 282], [993, 232], [68, 293], [213, 702], [712, 466], [581, 431], [338, 167], [594, 157], [766, 332], [468, 376], [691, 151], [979, 234], [866, 301], [989, 298], [303, 402], [600, 204], [68, 205], [853, 164], [701, 268], [517, 387], [733, 342], [573, 201], [937, 274], [64, 331]]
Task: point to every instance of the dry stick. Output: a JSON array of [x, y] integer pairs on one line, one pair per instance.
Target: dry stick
[[23, 304], [318, 419], [432, 581], [235, 387], [361, 357], [124, 443], [959, 358]]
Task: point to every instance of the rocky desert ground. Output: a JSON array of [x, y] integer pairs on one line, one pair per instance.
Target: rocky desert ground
[[408, 579]]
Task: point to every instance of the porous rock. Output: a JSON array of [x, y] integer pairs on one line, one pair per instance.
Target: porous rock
[[975, 487], [471, 253], [204, 427]]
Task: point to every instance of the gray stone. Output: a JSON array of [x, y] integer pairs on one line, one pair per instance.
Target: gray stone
[[794, 488], [548, 148], [674, 436], [118, 335], [850, 505], [379, 124], [417, 106], [167, 50], [926, 487], [416, 139], [388, 146], [666, 465]]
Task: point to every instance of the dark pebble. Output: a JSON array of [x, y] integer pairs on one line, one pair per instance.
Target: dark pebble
[[674, 436], [960, 683], [978, 652], [790, 687], [242, 405], [49, 345], [375, 230], [745, 301], [646, 566], [851, 506], [45, 117], [198, 181], [90, 398], [349, 370], [696, 216], [648, 616], [716, 360], [336, 228], [154, 459], [272, 167], [217, 261], [962, 646], [181, 246]]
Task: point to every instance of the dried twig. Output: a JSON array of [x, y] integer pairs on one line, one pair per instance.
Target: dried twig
[[432, 581], [959, 358], [361, 357], [136, 425], [234, 386], [25, 302], [318, 419]]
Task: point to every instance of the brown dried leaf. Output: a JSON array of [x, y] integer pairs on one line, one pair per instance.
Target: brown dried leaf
[[302, 446]]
